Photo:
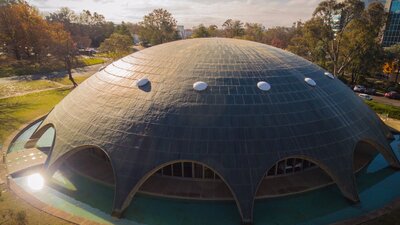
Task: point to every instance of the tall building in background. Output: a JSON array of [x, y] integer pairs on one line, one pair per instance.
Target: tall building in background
[[391, 35]]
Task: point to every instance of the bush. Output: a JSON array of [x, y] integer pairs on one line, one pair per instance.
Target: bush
[[391, 111], [21, 217]]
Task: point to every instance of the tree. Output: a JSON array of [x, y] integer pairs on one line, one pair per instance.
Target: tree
[[233, 28], [392, 55], [280, 37], [213, 31], [158, 27], [116, 45], [63, 48], [87, 29], [122, 29], [254, 32], [341, 35], [200, 32]]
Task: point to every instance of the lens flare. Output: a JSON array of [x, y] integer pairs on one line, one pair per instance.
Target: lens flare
[[35, 182]]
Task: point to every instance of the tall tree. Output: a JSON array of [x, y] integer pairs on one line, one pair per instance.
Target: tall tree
[[117, 45], [63, 48], [158, 27], [233, 28], [254, 32], [339, 34]]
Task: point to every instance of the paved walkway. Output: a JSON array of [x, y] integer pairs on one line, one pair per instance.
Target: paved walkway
[[24, 159]]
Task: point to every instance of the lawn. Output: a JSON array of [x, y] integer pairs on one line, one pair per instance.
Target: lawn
[[386, 110], [65, 80], [14, 211], [13, 88], [17, 111]]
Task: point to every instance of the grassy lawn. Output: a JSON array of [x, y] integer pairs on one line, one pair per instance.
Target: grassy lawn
[[66, 81], [389, 110], [92, 61], [17, 111], [14, 211], [13, 88]]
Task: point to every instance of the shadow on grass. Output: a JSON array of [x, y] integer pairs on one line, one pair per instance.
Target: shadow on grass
[[8, 119]]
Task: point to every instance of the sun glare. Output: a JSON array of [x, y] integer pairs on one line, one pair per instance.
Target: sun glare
[[36, 182]]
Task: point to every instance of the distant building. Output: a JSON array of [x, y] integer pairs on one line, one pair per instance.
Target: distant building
[[181, 31], [391, 35], [184, 33]]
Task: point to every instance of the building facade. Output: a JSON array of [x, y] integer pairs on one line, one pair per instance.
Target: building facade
[[392, 31]]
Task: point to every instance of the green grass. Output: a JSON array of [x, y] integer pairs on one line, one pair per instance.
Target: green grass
[[66, 81], [91, 61], [389, 110], [17, 87], [16, 111]]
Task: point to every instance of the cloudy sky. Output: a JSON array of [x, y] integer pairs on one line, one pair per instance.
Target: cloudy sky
[[193, 12]]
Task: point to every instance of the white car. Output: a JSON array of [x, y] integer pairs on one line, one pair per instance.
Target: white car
[[365, 96], [359, 88]]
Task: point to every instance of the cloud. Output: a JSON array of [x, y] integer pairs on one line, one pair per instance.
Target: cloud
[[193, 12]]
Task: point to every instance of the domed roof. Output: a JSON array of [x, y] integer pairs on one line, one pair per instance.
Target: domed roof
[[232, 126]]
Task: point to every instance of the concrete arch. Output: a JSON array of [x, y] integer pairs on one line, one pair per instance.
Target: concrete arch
[[31, 143], [132, 193], [386, 152], [342, 182], [52, 168]]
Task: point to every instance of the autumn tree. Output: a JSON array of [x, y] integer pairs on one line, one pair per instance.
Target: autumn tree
[[392, 57], [87, 28], [117, 45], [22, 30], [280, 37], [158, 27], [63, 48]]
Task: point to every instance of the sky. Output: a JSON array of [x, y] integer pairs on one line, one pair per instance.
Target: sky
[[191, 13]]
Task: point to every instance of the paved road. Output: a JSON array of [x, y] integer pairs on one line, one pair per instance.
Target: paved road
[[386, 101]]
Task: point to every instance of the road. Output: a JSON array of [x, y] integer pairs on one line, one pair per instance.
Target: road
[[386, 101]]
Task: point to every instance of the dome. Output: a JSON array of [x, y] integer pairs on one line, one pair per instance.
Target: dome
[[231, 126]]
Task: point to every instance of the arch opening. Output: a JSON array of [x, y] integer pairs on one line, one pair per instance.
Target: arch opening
[[43, 139], [187, 180], [174, 182], [366, 150], [290, 176], [87, 175]]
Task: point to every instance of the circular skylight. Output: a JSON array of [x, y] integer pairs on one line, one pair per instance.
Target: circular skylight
[[310, 81], [329, 75], [200, 86], [142, 82], [263, 86]]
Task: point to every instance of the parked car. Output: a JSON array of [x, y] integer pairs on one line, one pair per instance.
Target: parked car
[[392, 95], [365, 96], [359, 88], [370, 91]]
